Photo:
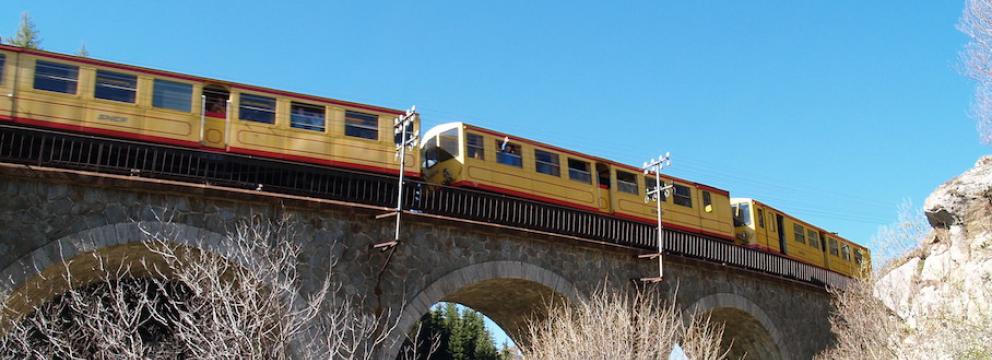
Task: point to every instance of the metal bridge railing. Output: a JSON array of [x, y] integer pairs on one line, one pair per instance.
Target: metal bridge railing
[[57, 149]]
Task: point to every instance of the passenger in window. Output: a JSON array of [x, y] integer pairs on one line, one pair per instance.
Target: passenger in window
[[217, 107]]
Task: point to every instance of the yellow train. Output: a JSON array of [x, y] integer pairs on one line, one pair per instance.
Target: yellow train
[[98, 97], [465, 155], [760, 226], [90, 96]]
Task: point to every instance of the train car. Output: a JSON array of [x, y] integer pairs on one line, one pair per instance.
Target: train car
[[760, 226], [110, 99], [464, 155], [846, 257]]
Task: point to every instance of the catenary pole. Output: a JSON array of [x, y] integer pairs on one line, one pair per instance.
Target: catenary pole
[[656, 166], [400, 126]]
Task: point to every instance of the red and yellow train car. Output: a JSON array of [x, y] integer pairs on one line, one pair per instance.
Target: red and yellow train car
[[760, 226], [98, 97], [465, 155]]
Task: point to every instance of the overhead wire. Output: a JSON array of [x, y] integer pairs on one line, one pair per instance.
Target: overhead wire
[[760, 188]]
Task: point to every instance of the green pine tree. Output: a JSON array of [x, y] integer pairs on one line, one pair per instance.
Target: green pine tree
[[504, 352], [27, 35], [461, 335]]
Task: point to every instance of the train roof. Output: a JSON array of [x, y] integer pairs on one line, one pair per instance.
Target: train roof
[[144, 70], [454, 125]]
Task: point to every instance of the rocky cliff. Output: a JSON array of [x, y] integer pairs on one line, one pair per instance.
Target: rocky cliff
[[947, 282]]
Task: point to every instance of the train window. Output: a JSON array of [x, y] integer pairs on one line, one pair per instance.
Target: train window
[[627, 182], [3, 58], [430, 152], [845, 252], [215, 101], [707, 201], [761, 218], [814, 238], [579, 171], [547, 163], [172, 95], [306, 116], [115, 86], [476, 148], [742, 214], [398, 137], [257, 108], [649, 184], [448, 143], [683, 196], [508, 153], [858, 257], [799, 233], [361, 125], [833, 247], [56, 77]]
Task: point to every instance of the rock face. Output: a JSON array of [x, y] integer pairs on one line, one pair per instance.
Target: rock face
[[951, 274]]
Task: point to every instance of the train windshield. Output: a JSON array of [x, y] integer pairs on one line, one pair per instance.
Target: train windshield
[[742, 215], [441, 148], [430, 152]]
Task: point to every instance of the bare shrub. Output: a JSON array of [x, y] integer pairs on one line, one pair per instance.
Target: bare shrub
[[894, 242], [241, 301], [620, 325], [863, 326], [976, 22], [954, 323]]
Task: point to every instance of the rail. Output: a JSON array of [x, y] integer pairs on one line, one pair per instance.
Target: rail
[[58, 149]]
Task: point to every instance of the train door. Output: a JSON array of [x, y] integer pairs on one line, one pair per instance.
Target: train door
[[215, 119], [603, 182], [780, 225], [823, 249]]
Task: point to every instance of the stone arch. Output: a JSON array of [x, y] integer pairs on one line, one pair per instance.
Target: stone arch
[[514, 279], [751, 329], [29, 279]]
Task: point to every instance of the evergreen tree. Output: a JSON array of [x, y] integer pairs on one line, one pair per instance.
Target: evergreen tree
[[27, 35], [461, 335]]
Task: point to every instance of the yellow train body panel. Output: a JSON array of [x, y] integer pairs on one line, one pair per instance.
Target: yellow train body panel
[[79, 107], [330, 145], [465, 155]]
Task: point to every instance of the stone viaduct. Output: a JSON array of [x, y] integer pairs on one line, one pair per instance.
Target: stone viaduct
[[506, 274]]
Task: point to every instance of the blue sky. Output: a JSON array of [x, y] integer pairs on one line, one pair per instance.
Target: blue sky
[[834, 111]]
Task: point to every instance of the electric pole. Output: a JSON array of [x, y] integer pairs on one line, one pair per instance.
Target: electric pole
[[658, 194], [402, 126]]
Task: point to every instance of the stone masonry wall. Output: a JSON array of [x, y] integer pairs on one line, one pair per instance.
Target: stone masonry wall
[[506, 274]]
